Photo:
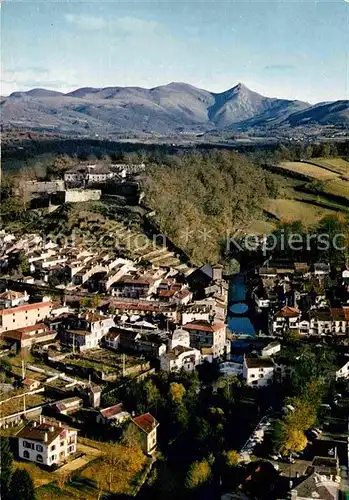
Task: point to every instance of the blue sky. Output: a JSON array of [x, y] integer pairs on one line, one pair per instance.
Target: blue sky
[[283, 48]]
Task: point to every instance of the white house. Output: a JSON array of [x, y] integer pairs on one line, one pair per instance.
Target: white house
[[286, 318], [258, 372], [46, 443], [343, 372], [86, 332], [10, 298], [270, 349], [180, 357]]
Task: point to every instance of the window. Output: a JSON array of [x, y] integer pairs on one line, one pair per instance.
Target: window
[[39, 447], [253, 375], [53, 447], [26, 454], [39, 458], [261, 375], [61, 444], [28, 445]]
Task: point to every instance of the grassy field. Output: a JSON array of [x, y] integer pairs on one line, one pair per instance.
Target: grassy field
[[313, 171], [118, 470], [337, 187], [287, 210], [338, 164], [294, 204]]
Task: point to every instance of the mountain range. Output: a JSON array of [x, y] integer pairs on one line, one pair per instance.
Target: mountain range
[[164, 110]]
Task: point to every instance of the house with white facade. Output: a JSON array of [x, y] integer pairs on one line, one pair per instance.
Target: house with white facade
[[287, 318], [85, 331], [258, 372], [271, 349], [10, 298], [342, 371], [180, 358], [46, 443]]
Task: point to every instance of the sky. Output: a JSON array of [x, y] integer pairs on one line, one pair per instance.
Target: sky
[[279, 48]]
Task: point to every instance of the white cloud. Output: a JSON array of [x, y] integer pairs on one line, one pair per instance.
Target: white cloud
[[21, 79], [87, 23]]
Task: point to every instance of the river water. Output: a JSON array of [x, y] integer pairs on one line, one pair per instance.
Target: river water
[[239, 322]]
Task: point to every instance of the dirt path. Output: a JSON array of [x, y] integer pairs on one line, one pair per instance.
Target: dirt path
[[89, 455]]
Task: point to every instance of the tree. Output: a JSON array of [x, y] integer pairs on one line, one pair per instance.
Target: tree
[[291, 336], [304, 415], [288, 440], [118, 466], [232, 458], [6, 459], [177, 392], [22, 486], [62, 479], [198, 474]]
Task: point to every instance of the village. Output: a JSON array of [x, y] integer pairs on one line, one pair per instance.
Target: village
[[76, 327]]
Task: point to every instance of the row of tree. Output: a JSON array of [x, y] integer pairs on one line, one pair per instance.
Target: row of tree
[[14, 484], [310, 381]]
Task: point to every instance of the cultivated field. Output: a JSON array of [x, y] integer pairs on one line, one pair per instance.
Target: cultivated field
[[308, 169], [337, 164], [337, 187], [290, 210]]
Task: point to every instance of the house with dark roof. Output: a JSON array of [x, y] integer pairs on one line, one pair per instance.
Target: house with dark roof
[[85, 331], [45, 442], [258, 371], [317, 486]]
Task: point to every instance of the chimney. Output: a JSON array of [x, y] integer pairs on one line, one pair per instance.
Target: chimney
[[46, 437], [60, 424], [52, 429], [34, 423]]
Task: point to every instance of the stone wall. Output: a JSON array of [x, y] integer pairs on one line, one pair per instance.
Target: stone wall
[[79, 195]]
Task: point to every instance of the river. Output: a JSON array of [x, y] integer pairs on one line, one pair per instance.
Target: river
[[238, 318]]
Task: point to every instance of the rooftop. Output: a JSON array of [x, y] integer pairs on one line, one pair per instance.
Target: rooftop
[[258, 362], [45, 432], [146, 422], [204, 326]]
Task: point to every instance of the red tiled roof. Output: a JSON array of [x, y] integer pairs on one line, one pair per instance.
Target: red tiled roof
[[29, 381], [204, 326], [27, 332], [166, 293], [26, 307], [288, 312], [183, 294], [112, 410], [146, 422], [11, 295]]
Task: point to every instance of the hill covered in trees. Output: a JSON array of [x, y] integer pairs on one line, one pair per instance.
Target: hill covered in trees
[[201, 199]]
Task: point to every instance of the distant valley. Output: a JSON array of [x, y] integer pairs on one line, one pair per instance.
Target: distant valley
[[166, 110]]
